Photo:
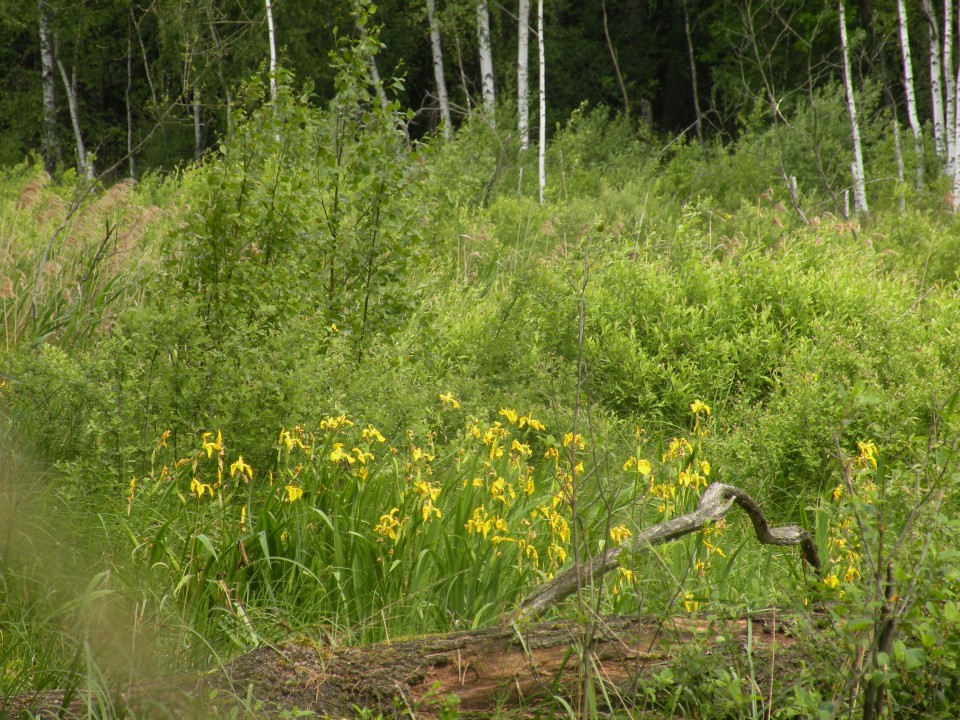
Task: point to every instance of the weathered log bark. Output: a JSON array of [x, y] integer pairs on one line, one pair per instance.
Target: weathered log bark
[[715, 502], [526, 668], [522, 668]]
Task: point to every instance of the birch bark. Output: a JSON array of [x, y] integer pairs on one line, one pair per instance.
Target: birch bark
[[372, 67], [542, 149], [954, 135], [486, 61], [613, 59], [197, 125], [909, 90], [898, 156], [49, 143], [936, 78], [950, 86], [523, 73], [856, 168], [693, 70], [131, 159], [273, 51], [437, 50], [70, 87]]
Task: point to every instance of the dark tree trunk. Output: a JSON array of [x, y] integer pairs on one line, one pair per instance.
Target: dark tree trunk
[[49, 142]]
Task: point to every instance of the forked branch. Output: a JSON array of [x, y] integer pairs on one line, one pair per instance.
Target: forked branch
[[715, 502]]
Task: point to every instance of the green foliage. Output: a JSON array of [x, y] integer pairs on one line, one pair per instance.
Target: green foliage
[[318, 268], [294, 259]]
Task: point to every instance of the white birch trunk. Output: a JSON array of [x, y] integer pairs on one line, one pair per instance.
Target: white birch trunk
[[70, 86], [273, 51], [613, 58], [374, 70], [693, 71], [856, 167], [130, 156], [146, 63], [49, 143], [954, 134], [936, 79], [486, 62], [523, 73], [543, 103], [909, 91], [377, 83], [950, 85], [197, 125], [463, 75], [898, 156], [437, 50]]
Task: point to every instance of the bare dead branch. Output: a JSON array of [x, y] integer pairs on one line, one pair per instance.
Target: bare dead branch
[[715, 502]]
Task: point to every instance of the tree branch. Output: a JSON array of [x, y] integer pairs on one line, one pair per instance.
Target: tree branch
[[715, 502]]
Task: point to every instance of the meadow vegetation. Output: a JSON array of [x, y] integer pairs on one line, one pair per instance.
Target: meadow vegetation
[[332, 384]]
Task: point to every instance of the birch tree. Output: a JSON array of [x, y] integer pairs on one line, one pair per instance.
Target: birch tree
[[909, 91], [613, 59], [950, 85], [436, 49], [131, 155], [84, 165], [936, 78], [542, 149], [361, 23], [953, 135], [523, 72], [693, 70], [49, 142], [273, 51], [486, 61], [197, 124], [856, 169]]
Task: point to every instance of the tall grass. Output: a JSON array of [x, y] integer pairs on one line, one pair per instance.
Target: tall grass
[[372, 538], [71, 254], [79, 631]]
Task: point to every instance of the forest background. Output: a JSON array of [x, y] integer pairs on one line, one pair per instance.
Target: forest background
[[346, 323]]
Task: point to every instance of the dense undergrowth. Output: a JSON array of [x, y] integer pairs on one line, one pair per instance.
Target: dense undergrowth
[[326, 382]]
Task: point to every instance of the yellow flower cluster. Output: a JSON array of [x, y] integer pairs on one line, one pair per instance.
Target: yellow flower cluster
[[448, 399], [843, 541], [508, 480], [296, 438], [521, 421], [678, 448], [389, 525], [867, 458], [625, 577], [641, 466], [246, 472], [482, 523], [620, 533], [371, 434], [334, 423], [698, 408]]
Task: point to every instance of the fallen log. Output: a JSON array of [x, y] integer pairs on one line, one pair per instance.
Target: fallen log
[[521, 668], [534, 668]]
